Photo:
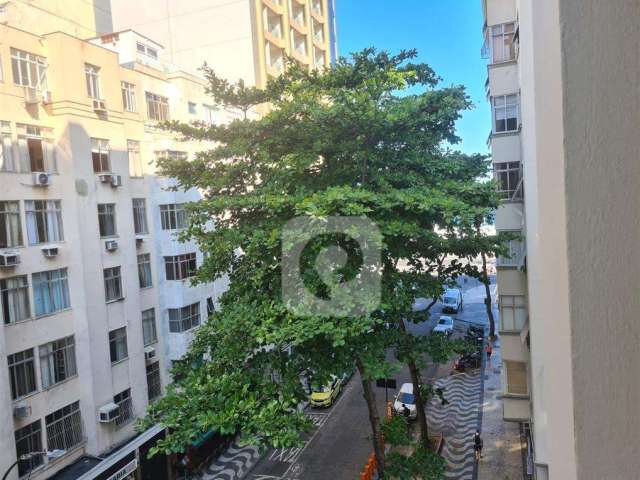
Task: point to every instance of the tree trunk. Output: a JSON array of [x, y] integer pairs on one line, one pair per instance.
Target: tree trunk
[[374, 418], [421, 416], [487, 300]]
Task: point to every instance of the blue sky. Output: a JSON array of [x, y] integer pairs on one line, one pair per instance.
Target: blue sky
[[447, 35]]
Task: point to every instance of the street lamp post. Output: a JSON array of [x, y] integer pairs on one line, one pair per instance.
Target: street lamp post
[[28, 456]]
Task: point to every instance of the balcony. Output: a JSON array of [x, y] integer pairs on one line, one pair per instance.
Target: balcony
[[515, 258]]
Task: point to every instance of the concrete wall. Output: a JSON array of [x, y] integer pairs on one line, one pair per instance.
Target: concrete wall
[[601, 113], [218, 32], [546, 219]]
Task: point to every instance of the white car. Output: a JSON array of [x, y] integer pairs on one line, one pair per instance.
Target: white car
[[445, 325], [405, 398], [452, 300]]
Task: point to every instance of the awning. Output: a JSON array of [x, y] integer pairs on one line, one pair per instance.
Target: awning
[[122, 452]]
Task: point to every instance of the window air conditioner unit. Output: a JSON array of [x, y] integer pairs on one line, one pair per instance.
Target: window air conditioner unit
[[50, 251], [9, 259], [139, 240], [105, 177], [21, 412], [108, 413], [31, 96], [116, 180], [41, 179], [47, 97], [111, 245], [149, 353], [99, 106]]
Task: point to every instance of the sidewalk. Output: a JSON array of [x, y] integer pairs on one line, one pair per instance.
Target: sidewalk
[[502, 451]]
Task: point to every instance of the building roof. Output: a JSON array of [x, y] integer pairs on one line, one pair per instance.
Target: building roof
[[77, 468]]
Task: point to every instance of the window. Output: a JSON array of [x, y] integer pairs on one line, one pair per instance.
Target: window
[[154, 386], [128, 96], [515, 254], [118, 344], [92, 76], [180, 267], [149, 334], [112, 284], [211, 308], [173, 216], [513, 312], [135, 161], [502, 42], [6, 148], [185, 318], [171, 154], [100, 155], [57, 361], [506, 113], [157, 107], [147, 50], [509, 176], [37, 153], [10, 228], [44, 221], [144, 270], [14, 299], [192, 108], [123, 400], [64, 428], [209, 114], [140, 216], [516, 373], [29, 70], [50, 291], [22, 373], [28, 440], [107, 219]]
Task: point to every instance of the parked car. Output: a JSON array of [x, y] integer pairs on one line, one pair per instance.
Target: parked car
[[325, 396], [405, 398], [444, 326], [452, 300]]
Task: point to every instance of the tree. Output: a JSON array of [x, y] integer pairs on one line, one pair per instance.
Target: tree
[[367, 137]]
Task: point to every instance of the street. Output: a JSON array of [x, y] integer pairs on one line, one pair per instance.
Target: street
[[340, 444]]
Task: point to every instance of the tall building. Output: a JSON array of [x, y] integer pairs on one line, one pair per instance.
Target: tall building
[[95, 299], [565, 105], [242, 39]]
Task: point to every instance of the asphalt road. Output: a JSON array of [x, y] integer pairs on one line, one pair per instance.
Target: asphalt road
[[340, 444]]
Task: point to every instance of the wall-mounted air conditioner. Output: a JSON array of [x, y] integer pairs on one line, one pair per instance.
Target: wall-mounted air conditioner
[[116, 180], [108, 413], [47, 97], [111, 245], [49, 251], [9, 259], [41, 179], [99, 106], [149, 353], [21, 412], [105, 177], [31, 96]]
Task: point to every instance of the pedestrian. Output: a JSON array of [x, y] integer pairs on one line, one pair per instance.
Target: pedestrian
[[477, 445], [489, 350], [406, 413]]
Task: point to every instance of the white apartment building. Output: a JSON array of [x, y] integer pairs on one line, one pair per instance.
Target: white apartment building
[[95, 297], [568, 86]]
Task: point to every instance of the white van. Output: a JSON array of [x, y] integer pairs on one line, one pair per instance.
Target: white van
[[452, 300]]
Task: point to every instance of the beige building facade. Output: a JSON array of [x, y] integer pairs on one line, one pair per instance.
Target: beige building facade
[[576, 68], [95, 297], [244, 39]]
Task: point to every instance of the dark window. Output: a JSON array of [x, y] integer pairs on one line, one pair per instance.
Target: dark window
[[185, 318], [180, 267], [28, 440], [22, 373], [144, 270], [58, 361], [154, 386], [123, 400], [118, 344], [64, 428], [112, 284], [107, 219]]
